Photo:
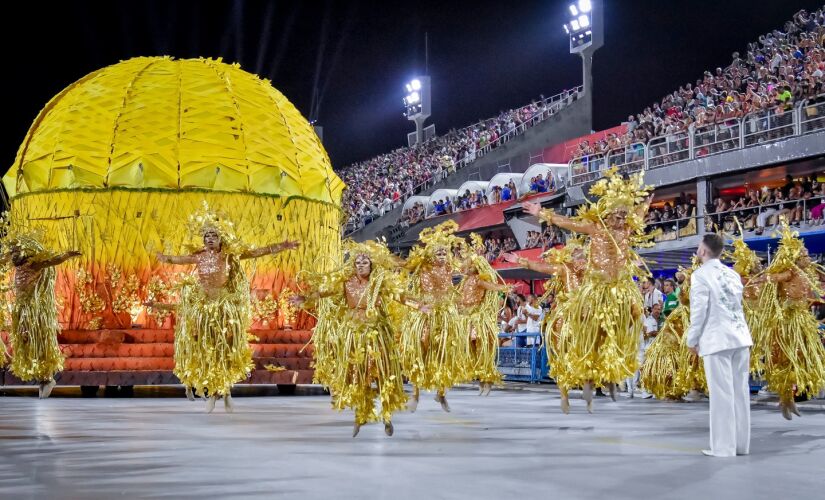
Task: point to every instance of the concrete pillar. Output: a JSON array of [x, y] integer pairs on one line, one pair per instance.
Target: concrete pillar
[[702, 199]]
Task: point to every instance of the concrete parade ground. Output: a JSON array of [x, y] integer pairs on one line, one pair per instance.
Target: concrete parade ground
[[515, 443]]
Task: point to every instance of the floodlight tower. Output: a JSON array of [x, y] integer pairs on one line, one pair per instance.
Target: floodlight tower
[[585, 31], [418, 105]]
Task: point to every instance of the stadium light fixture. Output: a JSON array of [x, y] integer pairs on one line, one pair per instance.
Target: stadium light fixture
[[585, 33], [418, 106]]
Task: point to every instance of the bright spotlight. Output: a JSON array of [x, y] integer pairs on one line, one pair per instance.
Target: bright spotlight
[[573, 10], [566, 29], [409, 87], [416, 84], [413, 98], [584, 6], [575, 25], [584, 21]]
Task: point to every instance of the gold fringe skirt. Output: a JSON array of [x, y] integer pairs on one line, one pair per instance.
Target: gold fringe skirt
[[36, 354], [434, 347], [555, 336], [670, 369], [791, 352], [481, 332], [361, 363], [212, 341], [601, 330]]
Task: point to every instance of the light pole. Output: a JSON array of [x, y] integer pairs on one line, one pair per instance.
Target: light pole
[[418, 106], [585, 31]]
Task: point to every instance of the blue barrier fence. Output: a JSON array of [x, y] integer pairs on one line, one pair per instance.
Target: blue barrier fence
[[520, 361]]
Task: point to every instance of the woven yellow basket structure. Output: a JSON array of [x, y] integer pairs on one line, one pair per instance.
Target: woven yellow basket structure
[[115, 163]]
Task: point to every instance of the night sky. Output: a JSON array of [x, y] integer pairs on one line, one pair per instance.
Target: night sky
[[355, 57]]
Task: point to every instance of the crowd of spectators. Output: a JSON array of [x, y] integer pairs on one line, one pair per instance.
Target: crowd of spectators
[[801, 201], [396, 175], [496, 245], [780, 69]]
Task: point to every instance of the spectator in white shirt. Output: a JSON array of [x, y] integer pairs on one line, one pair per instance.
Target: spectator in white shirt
[[533, 313], [651, 294]]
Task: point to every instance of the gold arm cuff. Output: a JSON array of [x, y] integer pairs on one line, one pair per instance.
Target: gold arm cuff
[[546, 215]]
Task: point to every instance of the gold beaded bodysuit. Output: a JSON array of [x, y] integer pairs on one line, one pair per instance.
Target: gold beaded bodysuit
[[433, 343], [603, 317], [790, 355], [670, 369], [211, 341], [33, 335], [478, 307], [356, 353]]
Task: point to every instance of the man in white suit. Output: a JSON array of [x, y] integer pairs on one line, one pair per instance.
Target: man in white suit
[[719, 334]]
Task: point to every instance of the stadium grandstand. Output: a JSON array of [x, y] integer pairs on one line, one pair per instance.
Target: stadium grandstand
[[745, 141]]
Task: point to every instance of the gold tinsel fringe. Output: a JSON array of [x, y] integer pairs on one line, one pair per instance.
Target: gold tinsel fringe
[[33, 336], [211, 341], [788, 350], [601, 331], [482, 352], [434, 347]]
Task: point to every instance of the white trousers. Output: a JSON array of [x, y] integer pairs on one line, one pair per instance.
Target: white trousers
[[730, 411], [762, 218]]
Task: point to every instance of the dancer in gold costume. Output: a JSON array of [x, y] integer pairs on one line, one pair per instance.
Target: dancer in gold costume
[[604, 315], [567, 265], [358, 358], [478, 306], [748, 265], [435, 354], [790, 351], [33, 335], [670, 370], [213, 316]]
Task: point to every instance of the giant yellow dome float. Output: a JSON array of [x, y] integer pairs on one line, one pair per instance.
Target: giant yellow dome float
[[115, 163]]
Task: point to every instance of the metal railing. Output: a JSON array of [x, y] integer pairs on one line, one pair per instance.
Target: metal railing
[[628, 159], [547, 108], [749, 217], [729, 134]]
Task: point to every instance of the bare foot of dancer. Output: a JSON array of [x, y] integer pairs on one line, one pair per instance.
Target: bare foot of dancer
[[412, 404], [587, 395], [46, 388], [210, 403], [189, 394], [227, 403], [442, 399]]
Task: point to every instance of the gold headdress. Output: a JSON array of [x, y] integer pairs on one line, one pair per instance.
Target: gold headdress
[[376, 250], [206, 220], [616, 193], [440, 236], [745, 260], [791, 247], [433, 239], [18, 238]]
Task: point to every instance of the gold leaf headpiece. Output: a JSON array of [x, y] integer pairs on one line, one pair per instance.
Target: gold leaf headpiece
[[791, 247], [207, 220], [19, 238], [375, 250]]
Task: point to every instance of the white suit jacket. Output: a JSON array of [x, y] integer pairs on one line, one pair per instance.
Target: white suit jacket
[[717, 321]]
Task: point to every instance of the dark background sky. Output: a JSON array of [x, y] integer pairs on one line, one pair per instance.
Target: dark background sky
[[484, 56]]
